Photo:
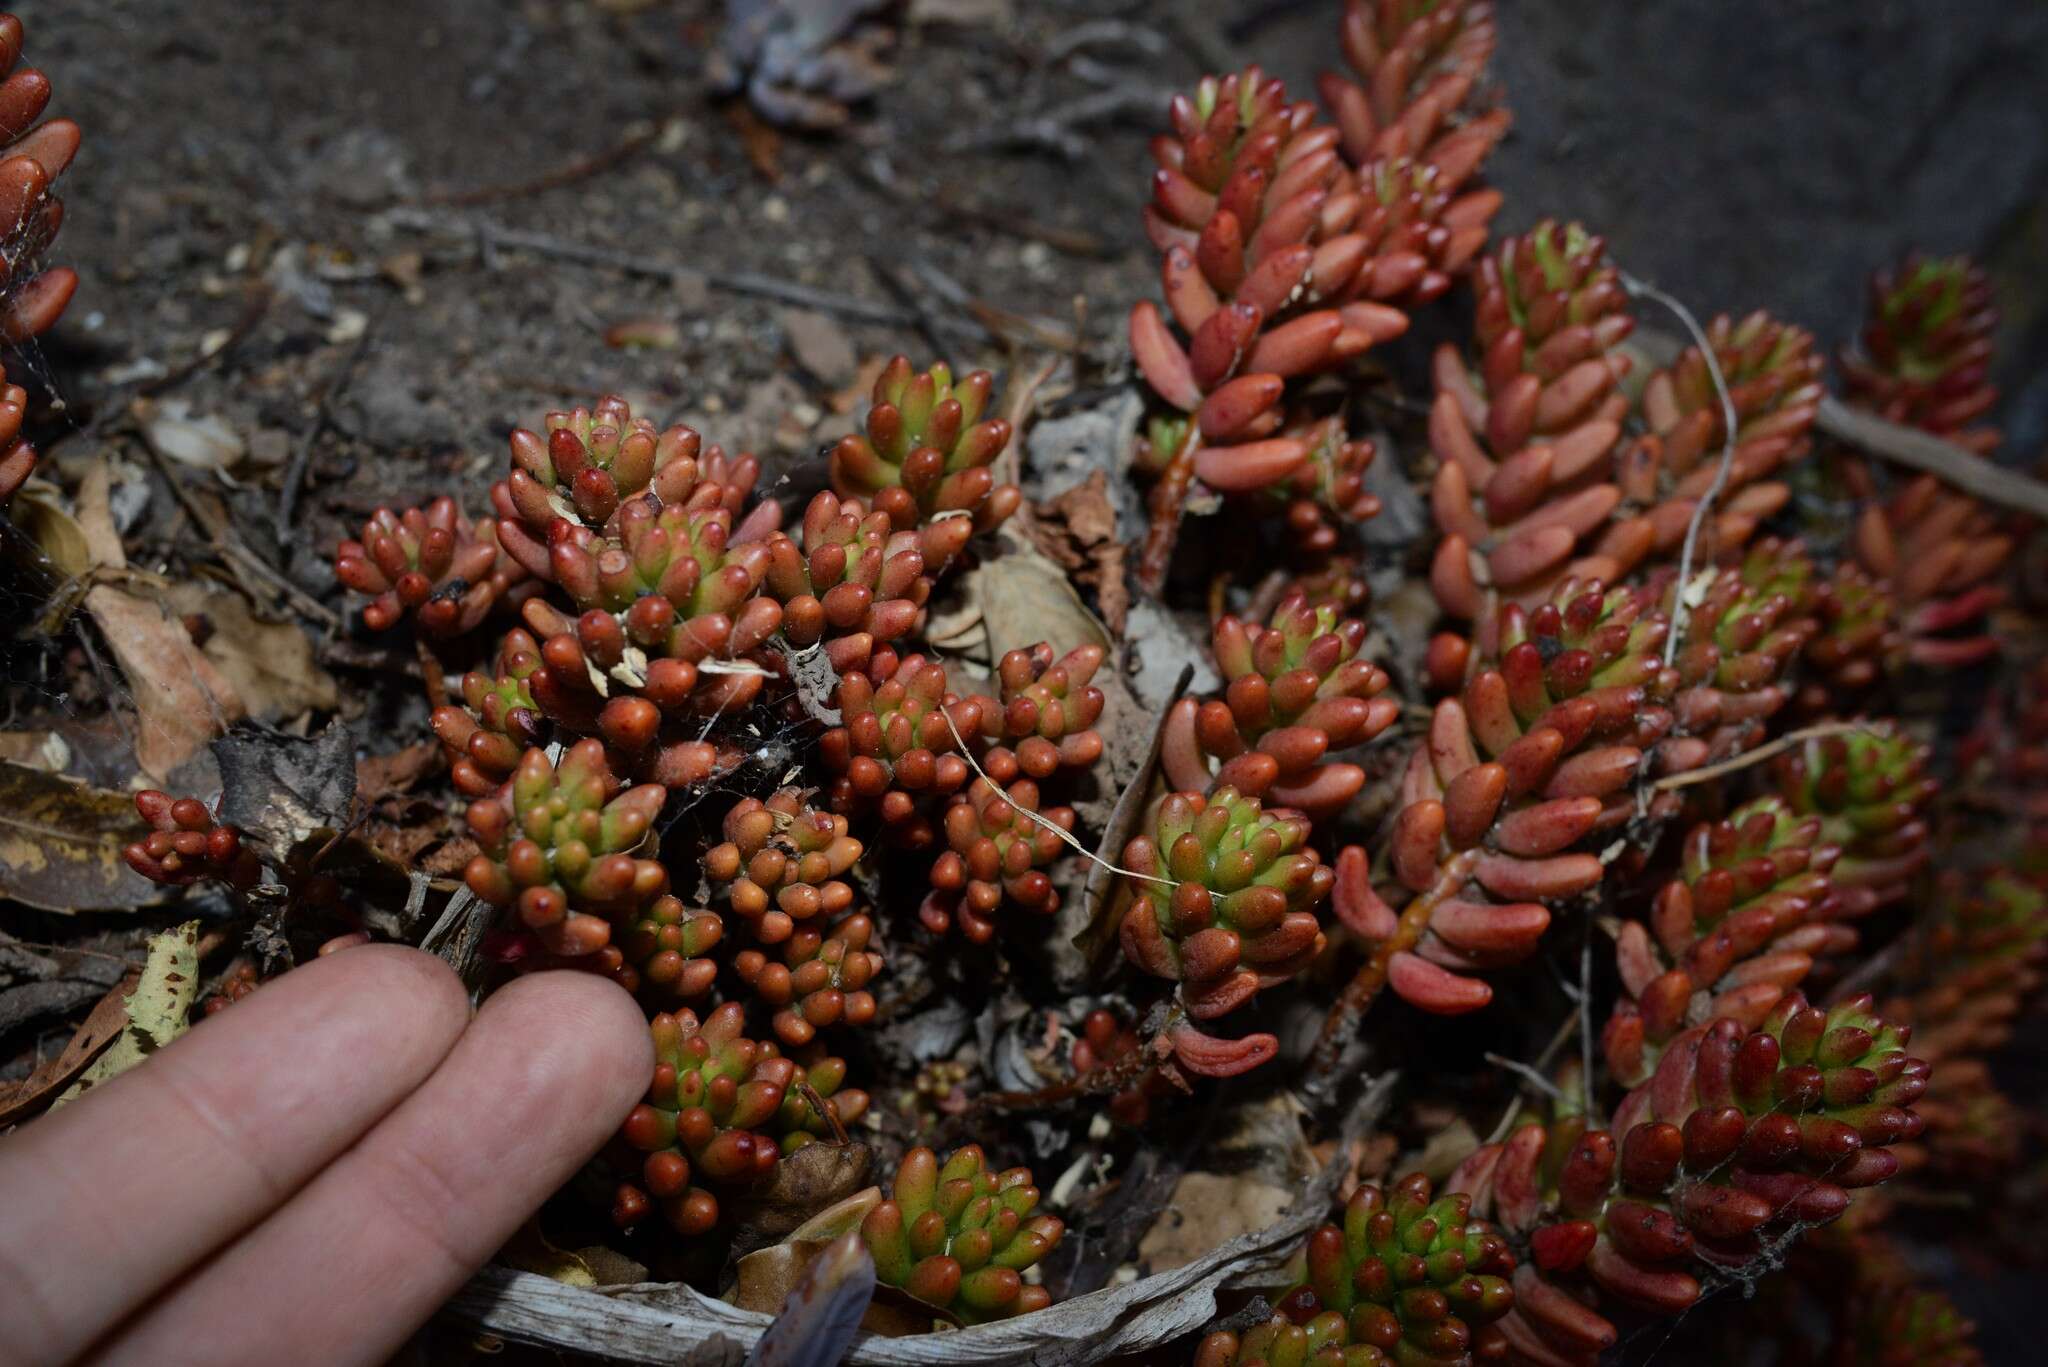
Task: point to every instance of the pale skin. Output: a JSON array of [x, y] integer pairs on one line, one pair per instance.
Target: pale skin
[[306, 1176]]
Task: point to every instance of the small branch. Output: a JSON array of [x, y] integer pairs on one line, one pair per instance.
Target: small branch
[[257, 304], [1053, 129], [1357, 997], [1919, 450], [1758, 755], [579, 170], [490, 237], [1680, 609], [1528, 1075]]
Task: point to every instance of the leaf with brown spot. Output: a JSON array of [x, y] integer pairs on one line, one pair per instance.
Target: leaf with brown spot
[[157, 1012], [61, 843]]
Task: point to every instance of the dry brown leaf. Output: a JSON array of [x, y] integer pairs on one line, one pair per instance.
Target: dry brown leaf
[[815, 1178], [1023, 598], [182, 700], [820, 345], [96, 516], [1078, 531], [40, 513], [269, 665], [61, 843], [20, 1100]]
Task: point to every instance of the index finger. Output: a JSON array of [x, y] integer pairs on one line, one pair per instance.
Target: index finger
[[110, 1198]]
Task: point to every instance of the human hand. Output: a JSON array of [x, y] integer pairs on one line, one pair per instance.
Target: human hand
[[307, 1176]]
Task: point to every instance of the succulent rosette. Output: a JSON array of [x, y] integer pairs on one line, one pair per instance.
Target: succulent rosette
[[1225, 901], [432, 563], [927, 453], [960, 1237], [709, 1118], [556, 845], [783, 864]]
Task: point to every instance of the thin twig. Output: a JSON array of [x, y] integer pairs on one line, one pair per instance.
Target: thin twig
[[1065, 835], [229, 546], [490, 236], [1760, 754], [1680, 609], [323, 419], [580, 170], [1919, 450], [1053, 129], [1565, 1029], [1528, 1075], [253, 309]]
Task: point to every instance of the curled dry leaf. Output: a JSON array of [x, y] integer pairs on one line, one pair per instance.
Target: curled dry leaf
[[819, 1317], [1077, 529], [1023, 598], [205, 443], [270, 665], [813, 1180], [157, 1012], [61, 843], [20, 1100], [182, 700]]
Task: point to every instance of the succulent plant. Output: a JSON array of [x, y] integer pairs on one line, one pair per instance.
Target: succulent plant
[[1973, 967], [783, 863], [1417, 63], [1105, 1041], [708, 1118], [1481, 846], [32, 157], [498, 721], [1868, 787], [1737, 1134], [1743, 633], [928, 452], [1044, 721], [800, 1121], [1940, 551], [1327, 492], [17, 453], [898, 743], [853, 582], [1322, 1339], [1905, 1325], [1773, 378], [1225, 901], [557, 842], [1924, 355], [669, 594], [1858, 639], [1412, 1273], [590, 463], [996, 853], [959, 1237], [431, 562], [1295, 690], [186, 845], [669, 945], [1525, 445], [820, 981], [1735, 930]]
